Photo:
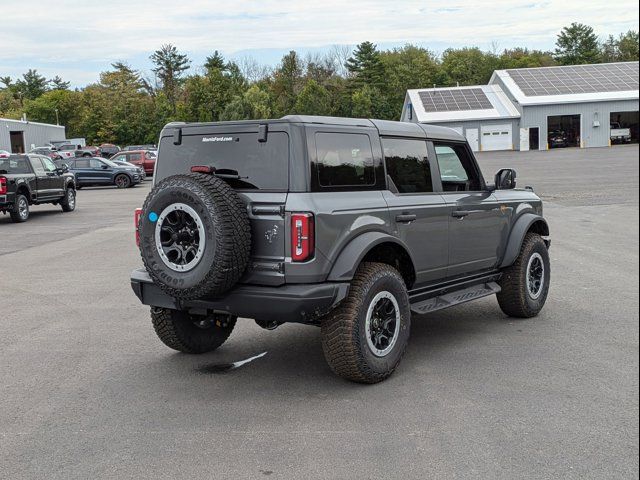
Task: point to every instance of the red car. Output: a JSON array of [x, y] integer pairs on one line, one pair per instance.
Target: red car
[[145, 159]]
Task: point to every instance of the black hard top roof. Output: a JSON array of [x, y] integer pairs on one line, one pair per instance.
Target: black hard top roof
[[385, 127]]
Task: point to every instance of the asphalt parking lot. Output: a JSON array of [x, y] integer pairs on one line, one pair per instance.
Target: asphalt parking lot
[[87, 390]]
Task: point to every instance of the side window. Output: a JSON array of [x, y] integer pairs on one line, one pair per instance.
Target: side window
[[49, 166], [37, 165], [82, 163], [120, 158], [149, 155], [95, 164], [457, 169], [407, 165], [134, 157], [345, 160]]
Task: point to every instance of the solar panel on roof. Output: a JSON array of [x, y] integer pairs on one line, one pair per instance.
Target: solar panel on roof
[[602, 78], [454, 100]]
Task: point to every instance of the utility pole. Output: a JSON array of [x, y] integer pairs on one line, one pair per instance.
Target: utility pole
[[57, 118]]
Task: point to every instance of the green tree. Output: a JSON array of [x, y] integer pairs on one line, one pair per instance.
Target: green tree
[[365, 67], [170, 65], [362, 102], [407, 68], [468, 66], [31, 85], [525, 58], [56, 83], [286, 84], [624, 48], [577, 44], [52, 106], [253, 104], [314, 99]]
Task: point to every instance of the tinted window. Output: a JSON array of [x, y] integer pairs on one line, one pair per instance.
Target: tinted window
[[37, 165], [82, 163], [135, 157], [14, 165], [344, 160], [66, 147], [262, 166], [95, 163], [407, 165], [457, 168]]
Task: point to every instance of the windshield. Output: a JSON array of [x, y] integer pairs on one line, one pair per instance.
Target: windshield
[[14, 165]]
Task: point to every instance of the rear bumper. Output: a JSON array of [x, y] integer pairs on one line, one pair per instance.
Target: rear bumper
[[297, 303]]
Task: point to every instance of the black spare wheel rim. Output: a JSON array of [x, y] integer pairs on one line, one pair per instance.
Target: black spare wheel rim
[[195, 237], [180, 237]]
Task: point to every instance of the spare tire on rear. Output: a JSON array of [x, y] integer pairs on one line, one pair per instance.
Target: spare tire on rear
[[195, 237]]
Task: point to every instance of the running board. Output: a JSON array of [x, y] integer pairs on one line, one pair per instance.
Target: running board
[[455, 298]]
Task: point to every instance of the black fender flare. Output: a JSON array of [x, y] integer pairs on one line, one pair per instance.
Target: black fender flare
[[518, 232], [352, 254], [22, 184], [70, 182]]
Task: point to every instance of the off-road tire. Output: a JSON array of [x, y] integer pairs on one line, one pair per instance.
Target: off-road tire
[[65, 204], [227, 229], [343, 330], [514, 298], [15, 212], [179, 331], [122, 180]]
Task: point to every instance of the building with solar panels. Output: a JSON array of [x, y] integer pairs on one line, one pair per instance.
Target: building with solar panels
[[537, 108]]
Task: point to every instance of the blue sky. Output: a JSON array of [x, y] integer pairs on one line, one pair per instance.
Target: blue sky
[[77, 39]]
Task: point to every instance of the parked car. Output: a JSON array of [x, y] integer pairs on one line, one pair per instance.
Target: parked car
[[100, 171], [108, 150], [68, 150], [558, 139], [131, 165], [88, 151], [33, 180], [48, 152], [345, 224], [145, 159], [619, 134], [130, 148], [4, 154]]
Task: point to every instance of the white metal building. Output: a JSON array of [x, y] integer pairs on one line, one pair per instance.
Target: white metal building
[[19, 136], [536, 108]]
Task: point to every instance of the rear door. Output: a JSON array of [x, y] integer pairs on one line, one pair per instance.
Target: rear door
[[257, 170], [420, 215]]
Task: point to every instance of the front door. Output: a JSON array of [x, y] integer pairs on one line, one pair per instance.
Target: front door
[[100, 172], [17, 142], [45, 185], [418, 214], [476, 222], [534, 138], [55, 179]]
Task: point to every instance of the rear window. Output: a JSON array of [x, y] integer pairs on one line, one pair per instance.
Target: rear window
[[14, 165], [263, 166]]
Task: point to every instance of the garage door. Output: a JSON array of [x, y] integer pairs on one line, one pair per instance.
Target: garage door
[[496, 137]]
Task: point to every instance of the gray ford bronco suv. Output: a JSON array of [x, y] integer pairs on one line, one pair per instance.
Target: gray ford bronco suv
[[347, 224]]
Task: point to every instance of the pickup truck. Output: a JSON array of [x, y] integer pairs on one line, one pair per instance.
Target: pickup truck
[[33, 180], [620, 135]]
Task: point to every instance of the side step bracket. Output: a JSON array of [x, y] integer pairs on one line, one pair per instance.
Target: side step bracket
[[455, 297]]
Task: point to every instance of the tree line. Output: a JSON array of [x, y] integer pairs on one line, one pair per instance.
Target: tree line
[[125, 107]]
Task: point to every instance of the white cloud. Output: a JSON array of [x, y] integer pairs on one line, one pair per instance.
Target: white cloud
[[34, 34]]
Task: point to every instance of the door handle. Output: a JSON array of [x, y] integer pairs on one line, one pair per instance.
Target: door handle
[[460, 213], [405, 218]]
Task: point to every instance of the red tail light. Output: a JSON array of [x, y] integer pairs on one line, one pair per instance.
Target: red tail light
[[201, 169], [3, 186], [136, 220], [302, 236]]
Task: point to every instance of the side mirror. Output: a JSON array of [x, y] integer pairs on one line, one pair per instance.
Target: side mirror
[[65, 168], [505, 179], [104, 167]]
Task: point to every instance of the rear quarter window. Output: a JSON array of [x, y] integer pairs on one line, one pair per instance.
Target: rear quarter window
[[262, 166], [344, 160]]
